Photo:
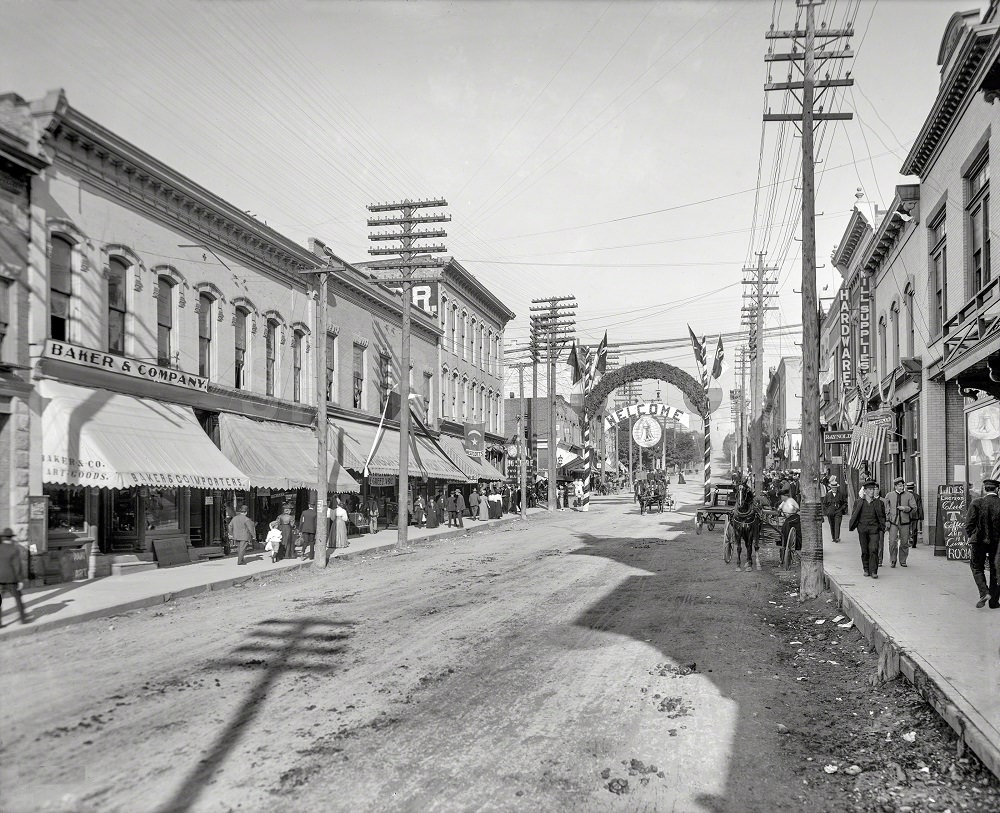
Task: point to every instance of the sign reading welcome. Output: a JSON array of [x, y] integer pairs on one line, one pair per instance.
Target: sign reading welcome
[[122, 365], [653, 408]]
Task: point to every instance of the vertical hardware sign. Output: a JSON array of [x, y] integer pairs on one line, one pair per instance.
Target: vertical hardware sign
[[846, 368]]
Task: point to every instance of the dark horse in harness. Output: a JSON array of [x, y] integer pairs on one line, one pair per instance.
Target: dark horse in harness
[[745, 522]]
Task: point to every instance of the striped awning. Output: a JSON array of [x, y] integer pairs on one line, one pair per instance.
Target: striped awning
[[867, 442]]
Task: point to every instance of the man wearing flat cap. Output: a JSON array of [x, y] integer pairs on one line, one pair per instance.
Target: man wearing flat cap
[[11, 571], [868, 519], [900, 507], [982, 526], [918, 517], [834, 506]]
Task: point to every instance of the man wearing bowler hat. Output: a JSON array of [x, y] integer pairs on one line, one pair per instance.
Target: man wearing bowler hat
[[900, 508], [868, 519], [982, 526], [11, 570], [834, 506]]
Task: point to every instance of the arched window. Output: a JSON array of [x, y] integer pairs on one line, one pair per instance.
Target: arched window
[[206, 307], [454, 328], [894, 318], [241, 321], [117, 304], [911, 344], [882, 341], [454, 395], [297, 366], [165, 321], [270, 355], [60, 287]]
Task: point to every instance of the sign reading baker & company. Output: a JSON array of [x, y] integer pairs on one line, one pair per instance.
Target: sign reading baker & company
[[122, 365]]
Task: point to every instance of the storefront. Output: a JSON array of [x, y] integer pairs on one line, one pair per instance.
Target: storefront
[[982, 444], [129, 472]]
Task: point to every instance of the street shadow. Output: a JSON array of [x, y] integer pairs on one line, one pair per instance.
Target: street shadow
[[47, 594], [690, 618], [46, 609], [276, 648]]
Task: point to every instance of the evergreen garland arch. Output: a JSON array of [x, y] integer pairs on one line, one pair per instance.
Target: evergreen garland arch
[[641, 370]]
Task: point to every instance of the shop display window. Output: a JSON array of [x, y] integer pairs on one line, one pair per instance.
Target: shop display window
[[161, 508], [983, 438], [67, 508], [124, 512]]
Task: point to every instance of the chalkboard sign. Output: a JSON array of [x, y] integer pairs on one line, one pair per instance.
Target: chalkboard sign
[[951, 521]]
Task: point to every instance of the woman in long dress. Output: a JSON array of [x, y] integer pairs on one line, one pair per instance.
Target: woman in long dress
[[432, 512], [286, 524], [340, 526], [484, 504]]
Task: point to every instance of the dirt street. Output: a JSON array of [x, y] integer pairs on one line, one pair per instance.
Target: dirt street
[[587, 662]]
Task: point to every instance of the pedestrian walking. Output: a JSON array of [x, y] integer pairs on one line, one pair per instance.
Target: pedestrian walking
[[307, 530], [459, 508], [420, 510], [495, 507], [918, 517], [243, 532], [484, 504], [372, 512], [474, 504], [340, 526], [868, 519], [834, 506], [899, 507], [982, 527], [450, 507], [11, 572], [273, 543], [433, 512], [577, 492], [286, 524]]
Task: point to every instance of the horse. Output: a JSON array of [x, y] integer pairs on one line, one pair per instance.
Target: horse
[[745, 522]]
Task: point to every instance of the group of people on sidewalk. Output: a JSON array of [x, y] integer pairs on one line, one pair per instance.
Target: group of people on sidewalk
[[284, 532]]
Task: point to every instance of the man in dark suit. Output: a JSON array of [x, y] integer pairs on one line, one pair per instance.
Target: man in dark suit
[[835, 506], [307, 527], [982, 526], [868, 518]]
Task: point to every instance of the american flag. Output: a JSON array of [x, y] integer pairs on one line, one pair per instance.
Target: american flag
[[867, 442]]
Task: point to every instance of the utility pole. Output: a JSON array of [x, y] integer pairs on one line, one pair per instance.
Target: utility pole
[[754, 313], [742, 362], [406, 268], [552, 326], [804, 52], [521, 443], [321, 250]]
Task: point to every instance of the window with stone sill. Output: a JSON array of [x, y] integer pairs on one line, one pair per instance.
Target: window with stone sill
[[60, 287], [978, 220], [241, 321], [937, 277], [117, 304], [297, 366], [165, 321], [270, 356], [205, 328]]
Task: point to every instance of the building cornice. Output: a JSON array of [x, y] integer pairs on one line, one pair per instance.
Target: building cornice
[[894, 220], [957, 90], [457, 275], [857, 228]]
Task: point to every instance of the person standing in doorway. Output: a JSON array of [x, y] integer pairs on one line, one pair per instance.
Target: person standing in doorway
[[917, 518], [868, 519], [474, 504], [982, 526], [11, 571], [834, 506], [243, 532], [307, 528], [900, 506]]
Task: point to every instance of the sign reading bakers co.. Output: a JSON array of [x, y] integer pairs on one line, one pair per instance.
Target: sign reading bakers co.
[[122, 365]]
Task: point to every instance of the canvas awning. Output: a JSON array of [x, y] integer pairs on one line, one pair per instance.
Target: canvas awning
[[476, 468], [109, 440], [278, 455], [351, 442]]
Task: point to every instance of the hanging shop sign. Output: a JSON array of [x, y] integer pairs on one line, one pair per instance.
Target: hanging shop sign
[[382, 480], [121, 365], [837, 436], [646, 432], [846, 367], [951, 499], [475, 442], [880, 417], [652, 408]]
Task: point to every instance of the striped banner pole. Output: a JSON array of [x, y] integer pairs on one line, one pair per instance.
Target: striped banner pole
[[588, 451], [708, 460]]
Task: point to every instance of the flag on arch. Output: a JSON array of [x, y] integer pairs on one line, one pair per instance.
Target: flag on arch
[[601, 359], [719, 367], [576, 368], [700, 356]]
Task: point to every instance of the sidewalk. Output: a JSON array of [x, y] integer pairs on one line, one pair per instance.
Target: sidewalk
[[924, 617], [59, 605]]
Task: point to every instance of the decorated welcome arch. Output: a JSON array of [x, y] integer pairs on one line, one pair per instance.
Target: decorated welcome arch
[[659, 371]]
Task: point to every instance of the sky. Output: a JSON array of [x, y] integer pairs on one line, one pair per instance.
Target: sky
[[609, 150]]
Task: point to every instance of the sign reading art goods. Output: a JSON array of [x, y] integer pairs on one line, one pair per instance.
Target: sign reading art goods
[[653, 408], [86, 357]]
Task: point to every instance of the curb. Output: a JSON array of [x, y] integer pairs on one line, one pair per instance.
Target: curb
[[23, 630], [930, 684]]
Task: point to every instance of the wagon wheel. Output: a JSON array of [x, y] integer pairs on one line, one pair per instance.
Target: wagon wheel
[[727, 543], [699, 519], [788, 551], [710, 522]]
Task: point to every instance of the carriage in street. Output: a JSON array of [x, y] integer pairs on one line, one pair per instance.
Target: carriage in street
[[718, 509]]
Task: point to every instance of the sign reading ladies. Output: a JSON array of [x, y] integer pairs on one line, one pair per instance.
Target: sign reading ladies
[[85, 357], [653, 408]]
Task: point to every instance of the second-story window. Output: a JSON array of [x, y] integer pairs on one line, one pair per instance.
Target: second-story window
[[4, 311], [297, 366], [117, 292], [60, 288], [894, 318], [241, 322], [270, 356], [385, 379], [359, 376], [205, 326], [882, 340], [937, 288], [908, 301], [979, 225], [165, 321], [454, 328], [331, 367]]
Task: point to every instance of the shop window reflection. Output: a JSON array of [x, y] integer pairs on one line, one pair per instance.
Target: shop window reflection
[[983, 432], [67, 508], [124, 519], [161, 509]]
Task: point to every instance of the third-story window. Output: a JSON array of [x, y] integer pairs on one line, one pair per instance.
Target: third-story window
[[911, 344], [454, 328], [165, 321], [240, 321], [359, 376], [205, 326], [4, 311], [270, 355], [894, 318], [882, 340], [385, 379], [979, 225], [117, 288], [297, 366], [60, 288], [937, 289]]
